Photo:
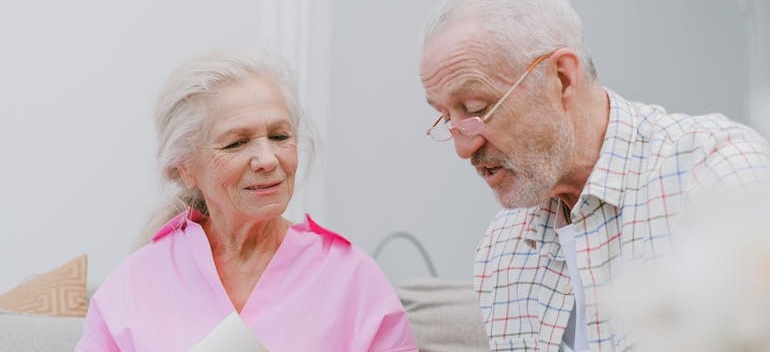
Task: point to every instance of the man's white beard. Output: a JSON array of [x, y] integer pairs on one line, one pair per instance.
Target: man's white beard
[[535, 174]]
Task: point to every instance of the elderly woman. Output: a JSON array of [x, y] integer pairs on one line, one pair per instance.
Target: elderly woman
[[228, 127]]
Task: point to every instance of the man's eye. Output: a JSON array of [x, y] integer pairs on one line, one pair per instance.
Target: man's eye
[[236, 144], [477, 112], [475, 107]]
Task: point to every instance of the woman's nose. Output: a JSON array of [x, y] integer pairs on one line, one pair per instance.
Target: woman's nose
[[263, 157]]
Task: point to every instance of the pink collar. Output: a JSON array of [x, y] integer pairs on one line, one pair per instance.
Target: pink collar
[[179, 222]]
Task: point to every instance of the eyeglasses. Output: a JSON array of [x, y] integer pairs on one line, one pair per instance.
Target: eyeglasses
[[472, 126]]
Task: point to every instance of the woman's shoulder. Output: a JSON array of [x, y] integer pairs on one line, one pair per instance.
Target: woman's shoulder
[[332, 245], [341, 258], [310, 226], [154, 258]]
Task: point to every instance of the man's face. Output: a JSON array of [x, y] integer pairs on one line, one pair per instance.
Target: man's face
[[521, 150]]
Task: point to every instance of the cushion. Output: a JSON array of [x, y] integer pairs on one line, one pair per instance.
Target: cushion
[[59, 292], [444, 315], [32, 333]]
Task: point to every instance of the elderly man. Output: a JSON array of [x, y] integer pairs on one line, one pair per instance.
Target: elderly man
[[591, 182]]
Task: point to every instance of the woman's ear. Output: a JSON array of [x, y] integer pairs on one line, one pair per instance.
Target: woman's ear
[[186, 176]]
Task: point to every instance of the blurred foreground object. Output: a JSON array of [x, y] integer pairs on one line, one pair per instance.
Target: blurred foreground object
[[713, 293]]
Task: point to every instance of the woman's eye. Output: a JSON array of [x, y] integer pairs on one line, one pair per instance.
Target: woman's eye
[[279, 137], [236, 144]]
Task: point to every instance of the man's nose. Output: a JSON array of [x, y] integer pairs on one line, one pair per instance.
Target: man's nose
[[466, 146]]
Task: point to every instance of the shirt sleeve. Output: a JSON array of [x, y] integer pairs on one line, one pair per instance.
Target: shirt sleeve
[[394, 334], [96, 336]]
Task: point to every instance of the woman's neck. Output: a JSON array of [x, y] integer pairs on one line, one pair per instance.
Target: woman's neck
[[245, 239], [242, 253]]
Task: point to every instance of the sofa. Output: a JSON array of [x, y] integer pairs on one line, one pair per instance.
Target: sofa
[[48, 311], [21, 332]]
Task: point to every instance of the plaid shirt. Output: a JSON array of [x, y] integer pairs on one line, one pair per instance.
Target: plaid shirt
[[651, 164]]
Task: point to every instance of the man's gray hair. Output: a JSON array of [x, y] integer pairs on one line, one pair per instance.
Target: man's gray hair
[[521, 30]]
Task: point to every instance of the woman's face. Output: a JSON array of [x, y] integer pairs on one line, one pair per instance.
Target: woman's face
[[246, 162]]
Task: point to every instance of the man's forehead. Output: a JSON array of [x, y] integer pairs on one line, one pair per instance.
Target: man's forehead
[[454, 34], [457, 41]]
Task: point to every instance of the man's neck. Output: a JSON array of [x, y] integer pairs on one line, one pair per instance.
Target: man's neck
[[590, 123]]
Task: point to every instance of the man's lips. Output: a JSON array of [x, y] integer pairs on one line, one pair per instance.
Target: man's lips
[[489, 165], [487, 171]]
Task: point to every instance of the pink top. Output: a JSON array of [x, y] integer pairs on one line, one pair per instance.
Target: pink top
[[318, 293]]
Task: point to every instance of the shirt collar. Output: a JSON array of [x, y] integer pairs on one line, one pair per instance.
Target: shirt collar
[[540, 231], [609, 174], [178, 222], [311, 226]]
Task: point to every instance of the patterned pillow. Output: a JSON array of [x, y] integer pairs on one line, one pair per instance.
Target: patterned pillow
[[59, 292]]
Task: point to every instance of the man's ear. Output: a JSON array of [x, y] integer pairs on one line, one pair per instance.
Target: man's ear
[[569, 70], [186, 176]]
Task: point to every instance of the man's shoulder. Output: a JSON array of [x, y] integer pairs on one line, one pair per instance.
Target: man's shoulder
[[712, 150], [656, 124], [663, 135], [708, 136]]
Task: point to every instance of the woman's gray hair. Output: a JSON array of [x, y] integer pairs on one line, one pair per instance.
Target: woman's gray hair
[[180, 117], [521, 29]]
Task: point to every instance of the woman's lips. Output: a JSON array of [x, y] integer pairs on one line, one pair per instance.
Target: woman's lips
[[263, 186]]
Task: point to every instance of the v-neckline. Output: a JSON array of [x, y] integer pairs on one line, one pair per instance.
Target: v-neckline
[[205, 261]]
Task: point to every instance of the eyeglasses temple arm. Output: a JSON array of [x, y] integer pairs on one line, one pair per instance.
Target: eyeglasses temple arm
[[433, 125], [507, 93]]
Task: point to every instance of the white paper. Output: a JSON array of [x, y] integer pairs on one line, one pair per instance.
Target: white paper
[[232, 335]]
